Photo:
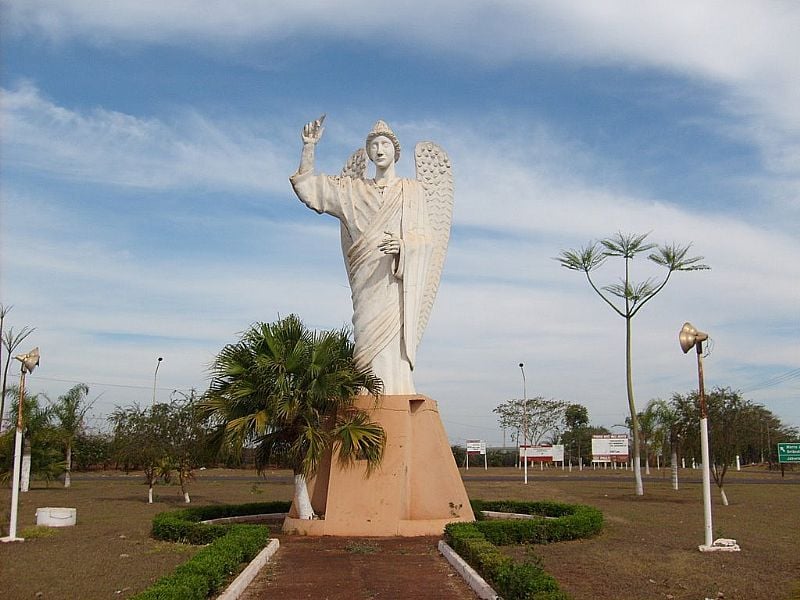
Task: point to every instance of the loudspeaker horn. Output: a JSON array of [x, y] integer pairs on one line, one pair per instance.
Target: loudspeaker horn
[[689, 337], [29, 360]]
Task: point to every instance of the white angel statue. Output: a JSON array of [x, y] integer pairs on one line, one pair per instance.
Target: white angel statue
[[394, 240]]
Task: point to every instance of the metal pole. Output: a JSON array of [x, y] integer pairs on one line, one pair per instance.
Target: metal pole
[[709, 535], [524, 421], [12, 528], [155, 375]]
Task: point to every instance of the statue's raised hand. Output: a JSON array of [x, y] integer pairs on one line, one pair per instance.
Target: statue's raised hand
[[312, 131]]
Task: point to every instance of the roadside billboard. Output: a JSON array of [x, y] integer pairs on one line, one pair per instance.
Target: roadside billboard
[[544, 454], [476, 447], [612, 447]]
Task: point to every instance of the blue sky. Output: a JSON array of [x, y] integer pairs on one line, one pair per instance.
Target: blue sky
[[146, 209]]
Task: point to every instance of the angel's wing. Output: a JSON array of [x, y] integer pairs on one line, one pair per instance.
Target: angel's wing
[[436, 177], [355, 168], [356, 165]]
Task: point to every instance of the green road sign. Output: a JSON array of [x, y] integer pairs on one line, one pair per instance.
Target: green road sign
[[789, 453]]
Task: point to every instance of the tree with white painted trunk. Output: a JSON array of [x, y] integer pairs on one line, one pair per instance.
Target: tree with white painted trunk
[[69, 412], [140, 441], [289, 393], [669, 430], [41, 458], [188, 440], [164, 440]]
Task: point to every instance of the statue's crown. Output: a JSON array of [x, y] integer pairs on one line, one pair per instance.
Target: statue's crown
[[381, 128]]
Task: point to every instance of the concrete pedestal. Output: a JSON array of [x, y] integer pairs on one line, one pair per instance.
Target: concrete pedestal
[[50, 516], [416, 491]]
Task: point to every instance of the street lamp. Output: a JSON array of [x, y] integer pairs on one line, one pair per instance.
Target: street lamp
[[689, 338], [155, 375], [524, 422], [29, 362]]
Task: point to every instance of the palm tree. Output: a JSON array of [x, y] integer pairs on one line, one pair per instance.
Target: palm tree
[[648, 430], [290, 392], [69, 412], [41, 455], [633, 296], [669, 428]]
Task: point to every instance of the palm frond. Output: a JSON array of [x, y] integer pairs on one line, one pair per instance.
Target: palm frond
[[584, 259], [358, 438], [620, 290], [626, 245], [674, 257]]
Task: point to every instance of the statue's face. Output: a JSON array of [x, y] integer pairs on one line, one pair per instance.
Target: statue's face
[[381, 151]]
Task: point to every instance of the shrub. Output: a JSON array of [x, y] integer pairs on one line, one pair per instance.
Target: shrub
[[560, 522], [477, 543], [512, 580], [229, 547], [185, 526]]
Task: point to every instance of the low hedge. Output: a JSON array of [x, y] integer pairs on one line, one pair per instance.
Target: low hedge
[[477, 543], [565, 522], [229, 546], [185, 526]]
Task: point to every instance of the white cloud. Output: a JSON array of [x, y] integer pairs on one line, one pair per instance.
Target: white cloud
[[744, 50], [103, 146], [747, 43]]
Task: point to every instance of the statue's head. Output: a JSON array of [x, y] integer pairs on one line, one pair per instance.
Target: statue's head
[[381, 129]]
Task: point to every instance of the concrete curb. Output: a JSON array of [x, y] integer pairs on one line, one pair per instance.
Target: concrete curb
[[239, 585], [262, 518], [470, 575]]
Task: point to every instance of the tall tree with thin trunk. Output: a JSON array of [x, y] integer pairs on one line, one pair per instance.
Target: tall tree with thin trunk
[[69, 412], [290, 392], [631, 296], [669, 431]]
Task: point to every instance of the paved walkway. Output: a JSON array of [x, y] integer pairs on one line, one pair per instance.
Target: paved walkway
[[335, 568]]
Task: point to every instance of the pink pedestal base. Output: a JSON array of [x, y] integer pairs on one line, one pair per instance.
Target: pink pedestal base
[[416, 491]]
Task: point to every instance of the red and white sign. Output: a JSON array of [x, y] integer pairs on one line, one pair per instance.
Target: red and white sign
[[476, 447], [612, 447], [542, 453]]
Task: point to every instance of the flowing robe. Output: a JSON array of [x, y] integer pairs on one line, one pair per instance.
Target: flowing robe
[[386, 289]]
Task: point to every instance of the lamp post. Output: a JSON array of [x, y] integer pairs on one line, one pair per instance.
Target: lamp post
[[689, 338], [524, 423], [155, 376], [29, 362]]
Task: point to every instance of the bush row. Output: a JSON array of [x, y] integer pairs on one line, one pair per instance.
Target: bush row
[[566, 522], [229, 547], [185, 526], [477, 544]]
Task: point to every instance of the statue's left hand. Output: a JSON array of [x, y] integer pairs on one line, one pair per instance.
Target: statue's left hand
[[390, 243]]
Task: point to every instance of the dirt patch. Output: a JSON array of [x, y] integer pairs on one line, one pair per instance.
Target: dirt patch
[[334, 568], [648, 547]]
